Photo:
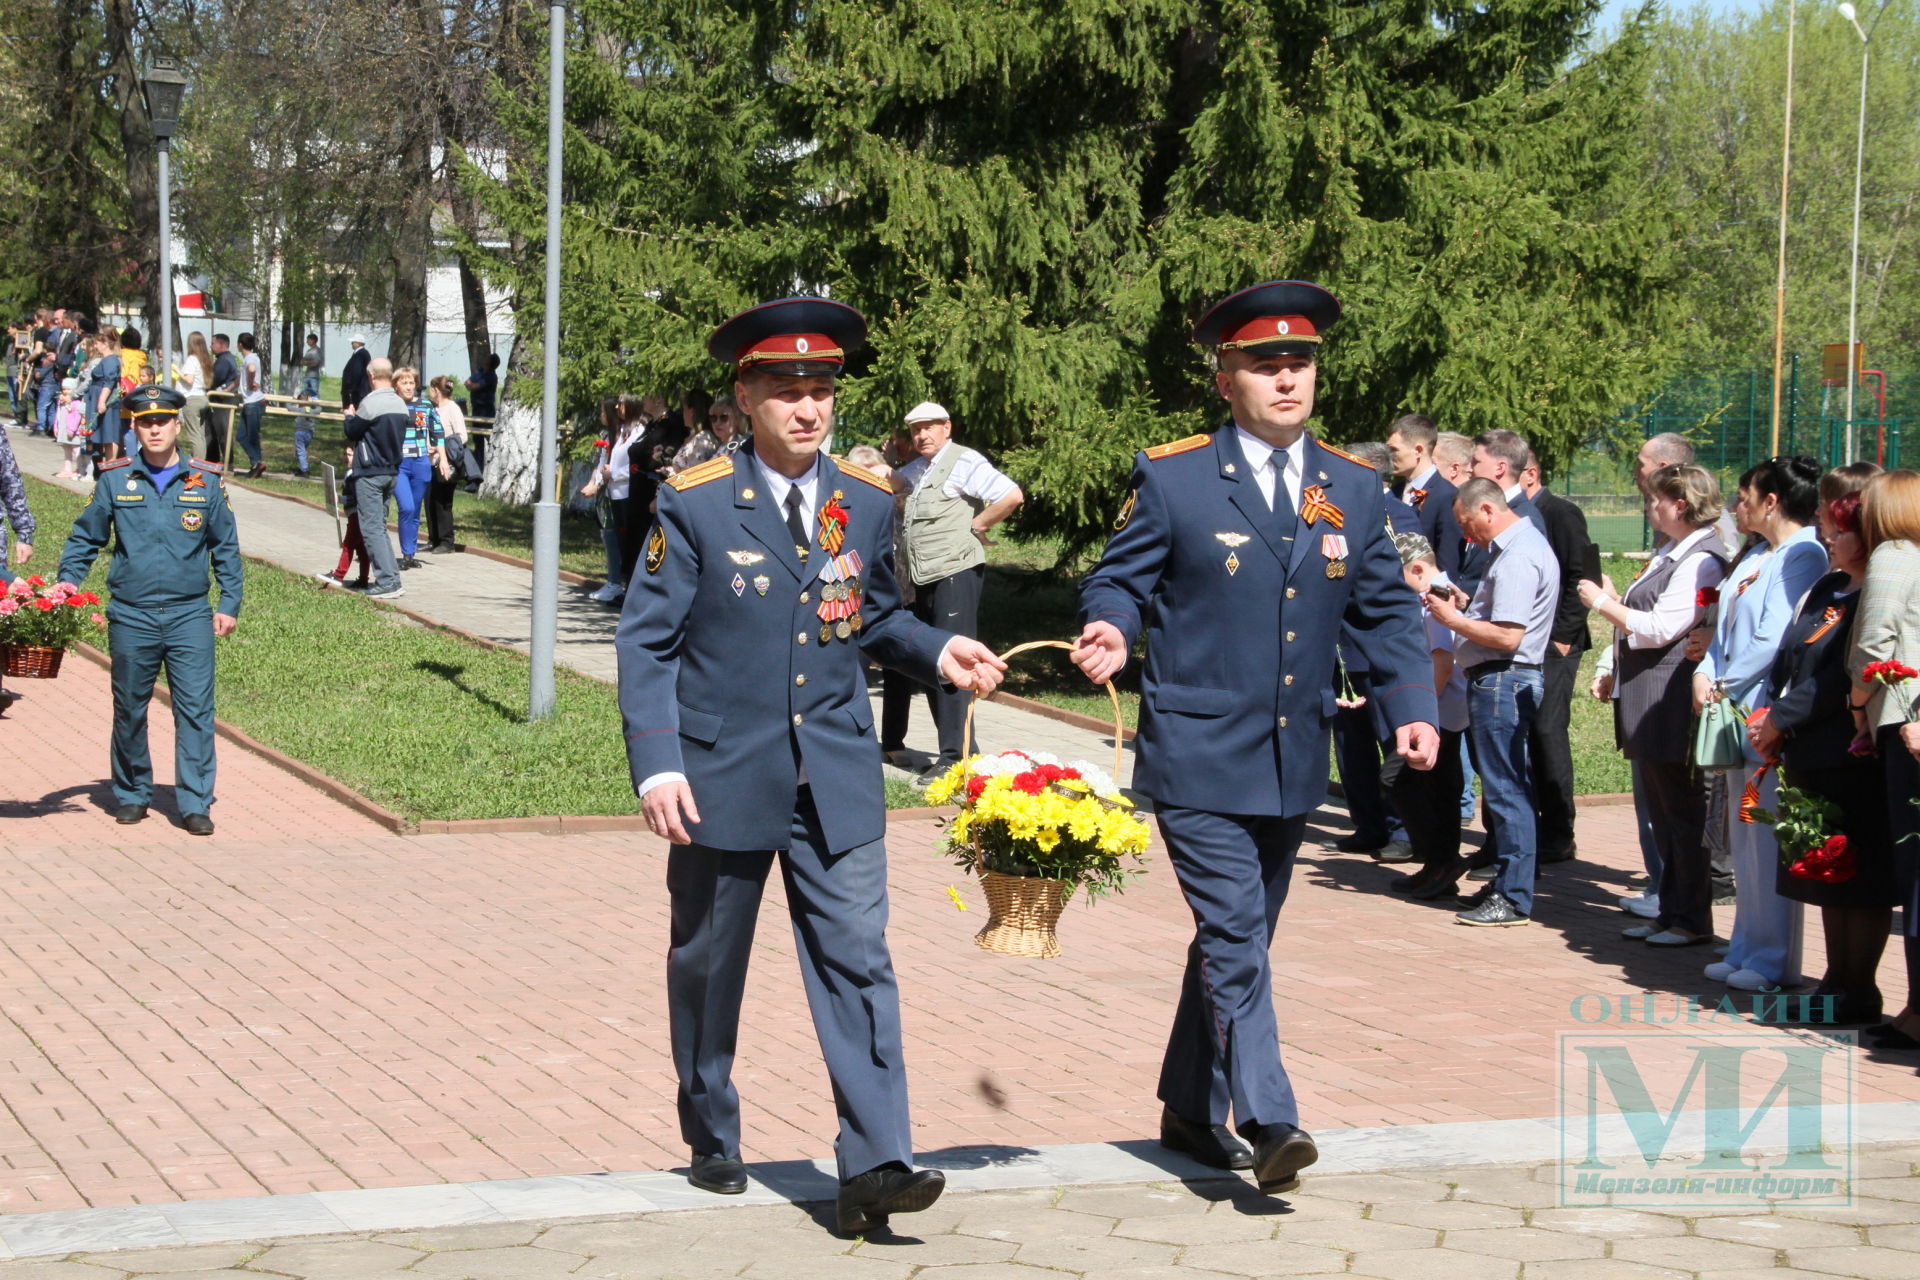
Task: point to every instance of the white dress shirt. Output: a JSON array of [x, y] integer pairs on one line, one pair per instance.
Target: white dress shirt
[[973, 477], [1260, 457], [1676, 609], [1425, 479]]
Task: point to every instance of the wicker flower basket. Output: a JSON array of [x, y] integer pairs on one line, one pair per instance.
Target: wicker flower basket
[[1023, 910], [1021, 914], [31, 661]]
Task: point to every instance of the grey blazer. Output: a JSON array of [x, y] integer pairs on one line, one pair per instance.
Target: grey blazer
[[1888, 626]]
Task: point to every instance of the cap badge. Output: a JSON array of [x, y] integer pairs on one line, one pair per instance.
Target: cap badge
[[800, 345], [1280, 326]]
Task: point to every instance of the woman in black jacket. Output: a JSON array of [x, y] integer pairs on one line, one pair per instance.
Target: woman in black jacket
[[1810, 729]]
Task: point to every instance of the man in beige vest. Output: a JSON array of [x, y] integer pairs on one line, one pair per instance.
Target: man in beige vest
[[952, 496]]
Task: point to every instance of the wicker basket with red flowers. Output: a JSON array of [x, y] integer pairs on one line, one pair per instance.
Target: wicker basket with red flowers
[[39, 622]]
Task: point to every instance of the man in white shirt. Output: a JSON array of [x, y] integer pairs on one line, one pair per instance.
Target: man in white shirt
[[952, 496]]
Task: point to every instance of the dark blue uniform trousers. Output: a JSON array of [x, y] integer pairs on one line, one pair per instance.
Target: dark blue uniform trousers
[[838, 903], [1225, 1044], [140, 640]]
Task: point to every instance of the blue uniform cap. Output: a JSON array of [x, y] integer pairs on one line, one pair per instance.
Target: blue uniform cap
[[146, 401], [1281, 317], [800, 337]]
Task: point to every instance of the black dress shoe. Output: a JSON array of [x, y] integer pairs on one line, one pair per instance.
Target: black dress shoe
[[1213, 1145], [1280, 1152], [722, 1175], [128, 814], [197, 824], [1888, 1036], [1354, 844], [1483, 874], [1443, 886], [866, 1201], [408, 562]]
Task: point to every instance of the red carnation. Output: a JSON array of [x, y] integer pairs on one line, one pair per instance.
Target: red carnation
[[43, 604], [76, 602], [1706, 597], [976, 787], [601, 444], [36, 581], [1030, 782], [1057, 772], [1889, 671]]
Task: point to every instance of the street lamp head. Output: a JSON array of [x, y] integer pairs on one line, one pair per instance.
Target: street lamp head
[[165, 87], [1848, 12]]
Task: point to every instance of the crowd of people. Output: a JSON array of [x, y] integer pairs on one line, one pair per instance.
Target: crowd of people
[[1783, 601]]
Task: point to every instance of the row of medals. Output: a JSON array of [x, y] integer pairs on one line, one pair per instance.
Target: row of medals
[[832, 593]]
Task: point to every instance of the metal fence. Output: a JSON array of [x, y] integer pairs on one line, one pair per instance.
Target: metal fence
[[1727, 412]]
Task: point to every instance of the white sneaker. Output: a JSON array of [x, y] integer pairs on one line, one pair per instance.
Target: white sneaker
[[394, 594], [1722, 948], [604, 594], [326, 579], [1644, 905], [1640, 931], [1751, 980], [1719, 971]]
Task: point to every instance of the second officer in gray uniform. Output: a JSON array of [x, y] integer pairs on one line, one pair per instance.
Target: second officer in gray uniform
[[767, 574]]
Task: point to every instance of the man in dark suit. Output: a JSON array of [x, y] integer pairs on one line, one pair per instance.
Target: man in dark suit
[[1361, 733], [355, 384], [1551, 748], [741, 755], [1411, 440], [1242, 555]]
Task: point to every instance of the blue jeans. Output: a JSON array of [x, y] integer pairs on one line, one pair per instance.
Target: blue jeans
[[1502, 706], [1642, 816], [410, 494], [370, 511], [46, 397], [251, 416]]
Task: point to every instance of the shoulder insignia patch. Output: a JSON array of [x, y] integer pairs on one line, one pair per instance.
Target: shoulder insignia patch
[[204, 465], [1126, 511], [1172, 447], [656, 548], [1359, 462], [117, 462], [857, 472], [711, 469]]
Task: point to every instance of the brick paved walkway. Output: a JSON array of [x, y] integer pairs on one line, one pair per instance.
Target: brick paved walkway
[[1439, 1224]]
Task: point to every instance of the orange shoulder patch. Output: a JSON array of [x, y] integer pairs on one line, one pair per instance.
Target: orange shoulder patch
[[711, 469], [1172, 447], [858, 472], [1360, 462]]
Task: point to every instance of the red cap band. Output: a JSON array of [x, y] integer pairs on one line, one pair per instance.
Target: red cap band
[[1262, 330], [790, 346]]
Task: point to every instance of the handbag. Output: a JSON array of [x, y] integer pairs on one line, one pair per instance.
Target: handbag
[[1720, 736]]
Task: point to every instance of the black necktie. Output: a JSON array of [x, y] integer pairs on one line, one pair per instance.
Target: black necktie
[[795, 525]]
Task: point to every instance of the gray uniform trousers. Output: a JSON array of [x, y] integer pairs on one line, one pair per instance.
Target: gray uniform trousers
[[838, 904]]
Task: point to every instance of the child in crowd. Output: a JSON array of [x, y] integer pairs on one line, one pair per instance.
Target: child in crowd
[[69, 430], [353, 544]]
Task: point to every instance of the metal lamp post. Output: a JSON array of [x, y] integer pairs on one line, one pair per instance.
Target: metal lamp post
[[164, 87], [546, 508], [1780, 281], [1852, 15]]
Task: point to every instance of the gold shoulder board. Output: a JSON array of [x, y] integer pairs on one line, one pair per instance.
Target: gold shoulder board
[[857, 472], [711, 469], [1172, 447], [1343, 453]]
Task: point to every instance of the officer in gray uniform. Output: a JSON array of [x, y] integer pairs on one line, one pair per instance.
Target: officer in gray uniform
[[766, 575], [169, 520], [1242, 555]]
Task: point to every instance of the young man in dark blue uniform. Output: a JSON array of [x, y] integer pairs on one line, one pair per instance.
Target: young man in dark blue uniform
[[1242, 555], [766, 575], [169, 520]]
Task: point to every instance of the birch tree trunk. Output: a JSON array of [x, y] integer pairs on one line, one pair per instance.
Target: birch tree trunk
[[513, 450]]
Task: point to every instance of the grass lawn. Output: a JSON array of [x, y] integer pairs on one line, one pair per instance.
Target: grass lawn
[[423, 722], [477, 521]]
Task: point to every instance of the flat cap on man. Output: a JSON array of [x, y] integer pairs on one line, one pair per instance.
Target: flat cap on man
[[927, 411], [798, 337], [151, 399], [1281, 317]]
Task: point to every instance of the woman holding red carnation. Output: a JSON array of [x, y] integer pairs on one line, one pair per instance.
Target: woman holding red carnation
[[1888, 630], [1849, 877]]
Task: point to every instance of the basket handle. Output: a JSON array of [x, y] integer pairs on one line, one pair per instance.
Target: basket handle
[[1119, 724]]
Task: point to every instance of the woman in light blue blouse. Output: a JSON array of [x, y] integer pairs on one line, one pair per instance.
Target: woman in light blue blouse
[[1757, 601]]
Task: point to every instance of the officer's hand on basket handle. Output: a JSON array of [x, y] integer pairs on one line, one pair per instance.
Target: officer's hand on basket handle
[[968, 664], [1419, 743], [1100, 651], [665, 805]]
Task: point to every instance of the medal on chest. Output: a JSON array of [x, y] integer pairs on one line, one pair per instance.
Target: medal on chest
[[840, 592]]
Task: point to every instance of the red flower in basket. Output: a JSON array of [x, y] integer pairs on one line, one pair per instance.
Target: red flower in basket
[[1830, 863]]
